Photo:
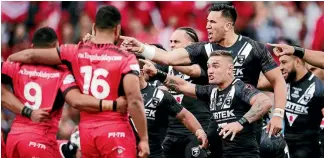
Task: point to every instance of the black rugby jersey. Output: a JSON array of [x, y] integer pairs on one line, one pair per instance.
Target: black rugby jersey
[[159, 105], [250, 57], [305, 100], [227, 106]]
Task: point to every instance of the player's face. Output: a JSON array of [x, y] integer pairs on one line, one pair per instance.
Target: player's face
[[287, 67], [218, 70], [316, 71], [215, 26], [179, 39]]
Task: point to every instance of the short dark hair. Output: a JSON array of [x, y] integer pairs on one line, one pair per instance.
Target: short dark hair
[[227, 11], [107, 17], [191, 32], [44, 37], [223, 53]]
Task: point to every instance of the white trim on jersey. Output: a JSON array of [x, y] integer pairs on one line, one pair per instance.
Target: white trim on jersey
[[239, 52], [212, 97], [311, 77], [245, 53], [309, 92], [60, 148], [231, 96], [288, 91], [208, 48]]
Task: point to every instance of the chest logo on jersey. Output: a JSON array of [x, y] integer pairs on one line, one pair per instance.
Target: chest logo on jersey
[[296, 108], [291, 118], [155, 102], [240, 59], [295, 94]]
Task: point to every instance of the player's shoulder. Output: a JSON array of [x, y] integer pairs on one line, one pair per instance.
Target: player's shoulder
[[198, 44], [319, 84], [258, 45], [241, 86]]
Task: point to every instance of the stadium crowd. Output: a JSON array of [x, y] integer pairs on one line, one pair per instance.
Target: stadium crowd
[[298, 24]]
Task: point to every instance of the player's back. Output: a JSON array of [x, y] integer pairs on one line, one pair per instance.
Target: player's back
[[99, 71], [37, 87]]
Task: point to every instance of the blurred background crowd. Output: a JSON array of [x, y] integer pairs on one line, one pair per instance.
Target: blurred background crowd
[[300, 23]]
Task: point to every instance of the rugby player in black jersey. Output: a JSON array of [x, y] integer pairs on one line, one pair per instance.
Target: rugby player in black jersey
[[230, 102], [179, 141], [159, 105], [250, 57], [305, 103]]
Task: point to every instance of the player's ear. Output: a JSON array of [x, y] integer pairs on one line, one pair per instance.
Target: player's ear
[[231, 69], [118, 30], [228, 26]]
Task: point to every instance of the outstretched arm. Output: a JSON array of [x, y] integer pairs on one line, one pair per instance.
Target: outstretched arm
[[176, 57], [47, 56], [192, 70], [312, 57], [174, 83]]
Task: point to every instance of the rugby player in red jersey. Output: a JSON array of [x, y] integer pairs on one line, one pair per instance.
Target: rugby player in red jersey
[[41, 91], [104, 71]]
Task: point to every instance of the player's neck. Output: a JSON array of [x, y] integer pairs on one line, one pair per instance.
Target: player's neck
[[104, 37], [300, 73], [143, 83], [229, 39], [225, 84]]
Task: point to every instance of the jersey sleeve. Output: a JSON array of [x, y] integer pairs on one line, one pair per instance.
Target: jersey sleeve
[[170, 105], [203, 92], [246, 91], [130, 65], [8, 71], [68, 82], [67, 51], [196, 52], [267, 62]]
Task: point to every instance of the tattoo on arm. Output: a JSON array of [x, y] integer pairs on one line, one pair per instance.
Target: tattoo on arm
[[172, 84], [258, 109]]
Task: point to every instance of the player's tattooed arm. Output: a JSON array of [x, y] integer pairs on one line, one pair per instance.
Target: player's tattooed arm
[[192, 70], [47, 56], [260, 106], [174, 83], [180, 85]]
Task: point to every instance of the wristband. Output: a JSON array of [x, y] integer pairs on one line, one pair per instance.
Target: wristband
[[280, 110], [148, 52], [161, 76], [100, 105], [278, 114], [243, 121], [26, 111], [299, 52], [114, 105]]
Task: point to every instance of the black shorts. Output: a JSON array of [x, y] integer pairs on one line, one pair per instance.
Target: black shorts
[[309, 150], [182, 147]]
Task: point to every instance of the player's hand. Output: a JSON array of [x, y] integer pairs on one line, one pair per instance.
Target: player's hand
[[143, 149], [88, 36], [149, 68], [39, 115], [231, 128], [202, 137], [121, 104], [130, 44], [282, 49], [274, 126]]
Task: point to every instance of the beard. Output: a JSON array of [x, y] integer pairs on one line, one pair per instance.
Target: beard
[[291, 76]]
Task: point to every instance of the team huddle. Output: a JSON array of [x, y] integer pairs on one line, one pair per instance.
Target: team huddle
[[201, 99]]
